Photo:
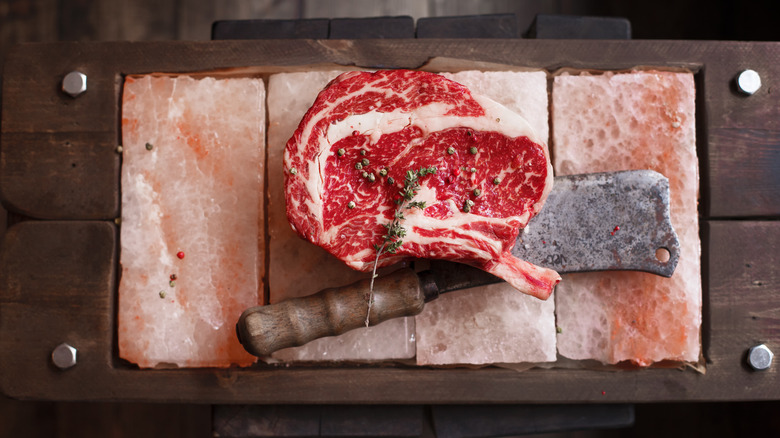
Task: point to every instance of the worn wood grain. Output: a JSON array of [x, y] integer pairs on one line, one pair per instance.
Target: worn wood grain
[[744, 171], [195, 17], [744, 296], [131, 420], [742, 132], [33, 76], [484, 26], [245, 421], [263, 330], [59, 153], [27, 419], [79, 258], [29, 20], [96, 20], [464, 421], [376, 27], [248, 421], [316, 28], [38, 312], [60, 175], [361, 8]]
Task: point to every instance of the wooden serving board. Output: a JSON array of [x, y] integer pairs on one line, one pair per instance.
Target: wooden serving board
[[59, 178]]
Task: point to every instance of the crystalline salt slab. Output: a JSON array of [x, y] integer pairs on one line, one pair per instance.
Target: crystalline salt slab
[[299, 268], [496, 323], [613, 122], [191, 184]]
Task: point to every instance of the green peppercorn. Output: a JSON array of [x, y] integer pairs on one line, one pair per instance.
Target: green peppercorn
[[358, 166], [149, 146], [496, 181], [473, 150], [390, 180], [351, 204], [383, 172], [371, 177], [293, 171], [477, 192], [341, 152], [365, 161], [467, 205], [365, 174], [162, 294], [172, 283], [450, 150], [362, 152], [473, 170]]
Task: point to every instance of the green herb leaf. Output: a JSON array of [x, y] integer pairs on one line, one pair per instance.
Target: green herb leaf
[[395, 231]]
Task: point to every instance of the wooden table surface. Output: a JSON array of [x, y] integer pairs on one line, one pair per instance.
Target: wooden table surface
[[59, 176]]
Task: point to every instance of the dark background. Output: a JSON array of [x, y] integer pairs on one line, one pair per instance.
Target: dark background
[[84, 20]]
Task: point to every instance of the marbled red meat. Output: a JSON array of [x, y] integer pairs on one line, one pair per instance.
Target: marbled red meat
[[346, 162]]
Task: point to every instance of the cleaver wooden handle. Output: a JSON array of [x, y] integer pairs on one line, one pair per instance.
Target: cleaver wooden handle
[[330, 312]]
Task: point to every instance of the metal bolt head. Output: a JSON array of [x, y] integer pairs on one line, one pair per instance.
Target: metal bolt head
[[63, 356], [74, 83], [748, 81], [760, 357]]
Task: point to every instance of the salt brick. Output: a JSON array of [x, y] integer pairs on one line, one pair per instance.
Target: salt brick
[[299, 268], [198, 190], [614, 122], [496, 323]]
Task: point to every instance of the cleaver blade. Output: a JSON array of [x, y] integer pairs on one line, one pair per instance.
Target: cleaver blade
[[611, 221]]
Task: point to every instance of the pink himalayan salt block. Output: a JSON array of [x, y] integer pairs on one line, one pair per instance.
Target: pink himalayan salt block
[[298, 268], [496, 323], [610, 122], [192, 218]]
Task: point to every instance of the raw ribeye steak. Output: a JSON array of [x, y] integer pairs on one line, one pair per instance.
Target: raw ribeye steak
[[346, 163]]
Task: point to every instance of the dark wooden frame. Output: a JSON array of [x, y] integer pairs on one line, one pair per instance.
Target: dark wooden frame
[[59, 177]]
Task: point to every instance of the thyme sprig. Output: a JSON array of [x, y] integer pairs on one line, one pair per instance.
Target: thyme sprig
[[393, 239]]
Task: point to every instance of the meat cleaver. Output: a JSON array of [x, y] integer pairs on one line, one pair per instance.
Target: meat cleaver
[[590, 222]]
